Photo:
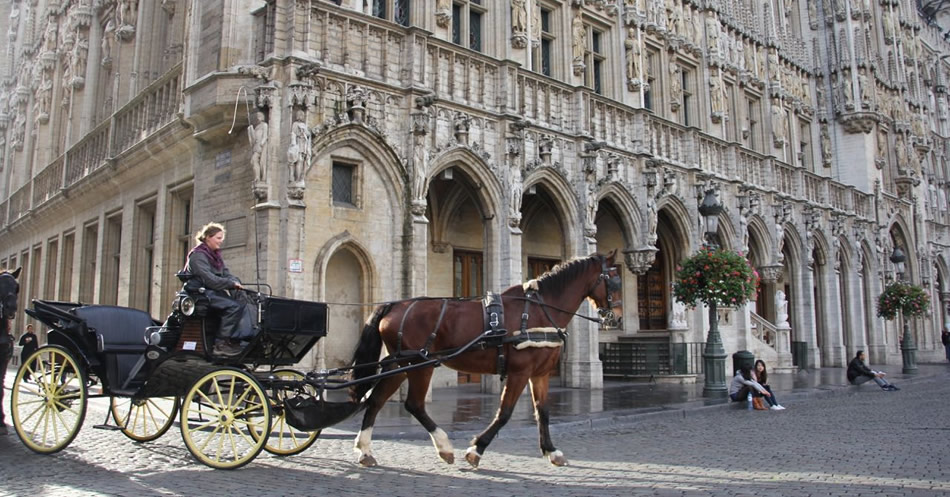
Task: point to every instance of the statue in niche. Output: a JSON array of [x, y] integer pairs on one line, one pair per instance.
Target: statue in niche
[[779, 125], [257, 134], [749, 53], [675, 14], [715, 94], [866, 90], [744, 228], [712, 35], [299, 153], [881, 145], [678, 316], [108, 39], [536, 24], [591, 205], [779, 238], [79, 56], [14, 23], [579, 32], [126, 11], [676, 85], [825, 146], [774, 66], [781, 309], [420, 172], [519, 16], [652, 220], [887, 23], [901, 149], [812, 12], [633, 56], [516, 191], [50, 37], [847, 90]]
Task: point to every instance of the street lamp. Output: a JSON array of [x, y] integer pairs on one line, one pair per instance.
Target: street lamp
[[714, 355], [908, 347]]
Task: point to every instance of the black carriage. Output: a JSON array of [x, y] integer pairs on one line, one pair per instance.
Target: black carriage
[[229, 408]]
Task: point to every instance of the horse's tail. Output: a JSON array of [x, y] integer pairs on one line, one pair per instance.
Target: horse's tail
[[367, 352]]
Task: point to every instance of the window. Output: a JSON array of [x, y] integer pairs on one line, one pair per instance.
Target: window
[[88, 267], [35, 271], [66, 271], [648, 93], [686, 80], [143, 260], [543, 53], [467, 268], [538, 266], [752, 129], [467, 23], [111, 259], [52, 252], [343, 181], [180, 240], [396, 11], [804, 144], [594, 60], [264, 30]]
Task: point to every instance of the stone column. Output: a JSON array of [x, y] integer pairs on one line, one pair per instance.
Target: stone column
[[582, 366], [831, 345], [857, 311], [804, 309]]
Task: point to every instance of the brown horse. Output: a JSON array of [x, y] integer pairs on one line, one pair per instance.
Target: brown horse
[[541, 309]]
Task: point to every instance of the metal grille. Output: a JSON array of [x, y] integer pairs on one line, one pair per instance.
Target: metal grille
[[342, 183]]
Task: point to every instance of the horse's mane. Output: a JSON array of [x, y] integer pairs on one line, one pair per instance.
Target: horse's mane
[[564, 273]]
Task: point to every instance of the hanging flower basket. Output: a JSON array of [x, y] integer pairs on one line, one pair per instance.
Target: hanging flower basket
[[901, 296], [715, 275]]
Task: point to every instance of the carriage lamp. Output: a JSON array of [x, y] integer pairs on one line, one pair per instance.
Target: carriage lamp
[[908, 346], [187, 305]]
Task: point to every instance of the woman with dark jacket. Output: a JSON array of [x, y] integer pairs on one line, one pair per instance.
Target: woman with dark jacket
[[859, 372], [762, 376], [206, 264]]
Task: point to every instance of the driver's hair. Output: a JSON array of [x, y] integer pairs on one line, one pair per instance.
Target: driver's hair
[[209, 230]]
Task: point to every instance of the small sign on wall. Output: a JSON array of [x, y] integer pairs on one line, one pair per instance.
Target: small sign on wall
[[295, 265]]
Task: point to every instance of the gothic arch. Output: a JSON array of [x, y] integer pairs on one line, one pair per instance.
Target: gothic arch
[[343, 241], [627, 210], [679, 219], [562, 194], [378, 154], [488, 189], [900, 232], [759, 238]]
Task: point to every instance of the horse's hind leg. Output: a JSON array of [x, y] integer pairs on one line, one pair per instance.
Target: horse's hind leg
[[416, 405], [381, 393], [539, 394], [514, 385]]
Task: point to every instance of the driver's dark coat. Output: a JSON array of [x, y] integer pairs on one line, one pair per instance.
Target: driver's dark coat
[[199, 265]]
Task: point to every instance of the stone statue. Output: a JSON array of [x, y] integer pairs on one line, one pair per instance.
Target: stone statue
[[652, 220], [779, 237], [633, 55], [779, 125], [536, 24], [108, 38], [847, 89], [126, 11], [678, 316], [519, 16], [825, 145], [579, 40], [744, 229], [712, 35], [80, 55], [866, 90], [749, 54], [420, 170], [50, 37], [676, 85], [299, 154], [715, 94], [257, 134], [591, 205], [516, 190], [781, 309]]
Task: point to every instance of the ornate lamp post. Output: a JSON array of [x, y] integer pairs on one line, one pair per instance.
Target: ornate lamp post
[[908, 347], [714, 355]]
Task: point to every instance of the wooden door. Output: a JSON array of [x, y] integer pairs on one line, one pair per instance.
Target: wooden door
[[652, 293], [467, 268]]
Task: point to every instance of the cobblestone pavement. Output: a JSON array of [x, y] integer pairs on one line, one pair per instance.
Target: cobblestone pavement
[[857, 442]]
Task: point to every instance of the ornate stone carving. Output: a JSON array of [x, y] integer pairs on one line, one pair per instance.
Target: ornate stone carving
[[770, 273], [299, 154], [519, 23], [632, 46], [640, 260], [578, 42], [108, 39], [420, 153], [126, 12], [257, 134], [443, 13]]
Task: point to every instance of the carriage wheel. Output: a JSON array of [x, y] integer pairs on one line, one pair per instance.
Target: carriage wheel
[[49, 400], [144, 420], [222, 416], [285, 440]]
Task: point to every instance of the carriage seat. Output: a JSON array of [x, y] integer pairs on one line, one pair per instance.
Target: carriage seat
[[120, 328]]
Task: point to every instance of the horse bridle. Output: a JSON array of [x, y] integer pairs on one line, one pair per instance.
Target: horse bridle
[[611, 285], [3, 304]]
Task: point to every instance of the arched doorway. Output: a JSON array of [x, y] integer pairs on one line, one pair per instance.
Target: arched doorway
[[347, 286]]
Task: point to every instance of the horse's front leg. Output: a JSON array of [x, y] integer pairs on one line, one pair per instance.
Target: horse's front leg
[[416, 405], [514, 385], [539, 394], [381, 393]]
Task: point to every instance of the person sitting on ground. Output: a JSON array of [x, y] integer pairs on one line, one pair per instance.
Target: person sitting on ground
[[205, 263], [859, 372], [743, 383], [762, 376]]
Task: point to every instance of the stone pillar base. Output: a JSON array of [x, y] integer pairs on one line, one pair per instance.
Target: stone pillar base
[[583, 374]]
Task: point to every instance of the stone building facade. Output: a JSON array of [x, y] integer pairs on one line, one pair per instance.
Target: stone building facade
[[366, 151]]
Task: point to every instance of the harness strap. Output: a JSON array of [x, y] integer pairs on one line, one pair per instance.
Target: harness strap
[[425, 349], [402, 325]]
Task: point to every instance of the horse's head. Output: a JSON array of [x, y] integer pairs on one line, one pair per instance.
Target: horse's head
[[9, 291], [606, 291]]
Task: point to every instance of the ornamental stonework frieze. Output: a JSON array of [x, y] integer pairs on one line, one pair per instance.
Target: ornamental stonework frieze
[[771, 273], [640, 260]]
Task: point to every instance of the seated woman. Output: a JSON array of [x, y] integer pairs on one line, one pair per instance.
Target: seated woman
[[743, 383], [859, 372], [762, 376], [206, 264]]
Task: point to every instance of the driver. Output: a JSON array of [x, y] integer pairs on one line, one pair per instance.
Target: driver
[[221, 288]]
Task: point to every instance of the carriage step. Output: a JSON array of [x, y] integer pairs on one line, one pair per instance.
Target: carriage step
[[107, 427]]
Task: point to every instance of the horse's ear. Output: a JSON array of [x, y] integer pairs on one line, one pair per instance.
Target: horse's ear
[[611, 256], [16, 272]]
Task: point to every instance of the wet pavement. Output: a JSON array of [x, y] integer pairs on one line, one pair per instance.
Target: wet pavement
[[464, 410]]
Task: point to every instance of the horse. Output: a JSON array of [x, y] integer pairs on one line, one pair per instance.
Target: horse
[[9, 293], [540, 310]]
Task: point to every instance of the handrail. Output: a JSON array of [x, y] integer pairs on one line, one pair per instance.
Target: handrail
[[763, 330]]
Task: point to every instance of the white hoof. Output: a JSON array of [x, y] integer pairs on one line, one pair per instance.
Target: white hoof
[[472, 457]]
